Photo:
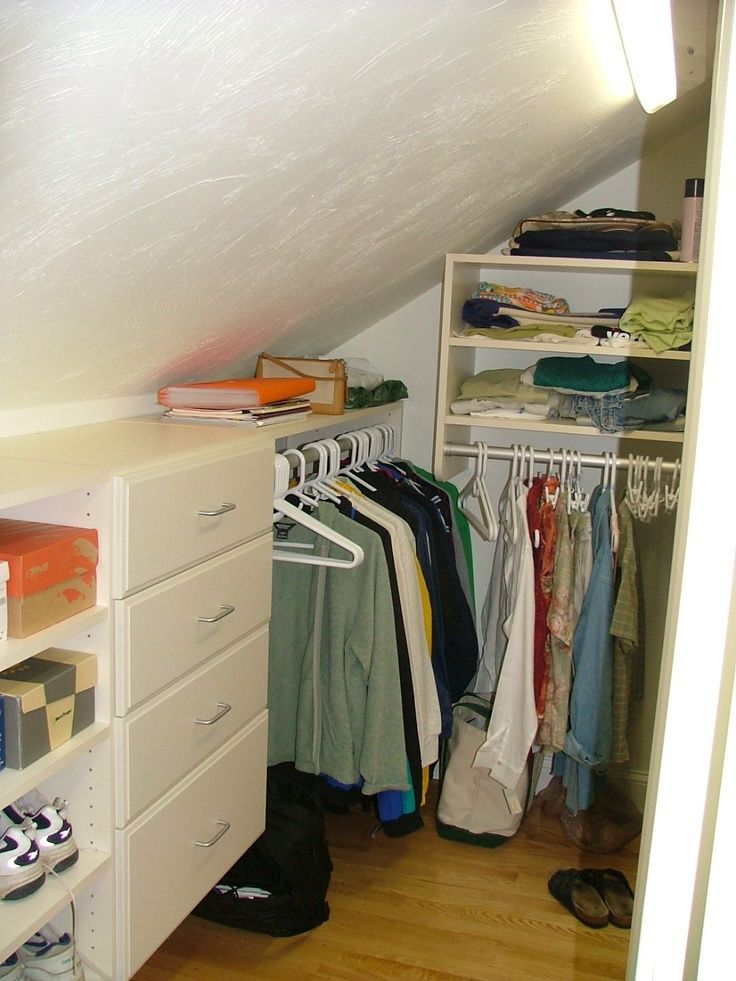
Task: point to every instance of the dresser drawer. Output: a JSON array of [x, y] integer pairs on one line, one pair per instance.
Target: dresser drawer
[[164, 740], [162, 633], [174, 518], [163, 871]]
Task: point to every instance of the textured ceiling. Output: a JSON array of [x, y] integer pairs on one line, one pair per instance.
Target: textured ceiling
[[184, 183]]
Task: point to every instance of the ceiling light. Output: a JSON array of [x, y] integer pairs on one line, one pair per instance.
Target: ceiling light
[[645, 27]]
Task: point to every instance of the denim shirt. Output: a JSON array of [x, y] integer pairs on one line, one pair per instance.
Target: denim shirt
[[588, 740]]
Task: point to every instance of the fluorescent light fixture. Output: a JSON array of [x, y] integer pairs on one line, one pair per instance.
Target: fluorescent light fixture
[[645, 27]]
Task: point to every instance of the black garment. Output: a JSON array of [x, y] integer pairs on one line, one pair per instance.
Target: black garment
[[631, 254], [590, 240], [460, 648]]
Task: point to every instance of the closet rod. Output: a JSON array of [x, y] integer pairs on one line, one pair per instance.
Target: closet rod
[[543, 456]]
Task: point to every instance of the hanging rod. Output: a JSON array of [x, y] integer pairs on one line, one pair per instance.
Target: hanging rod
[[543, 456]]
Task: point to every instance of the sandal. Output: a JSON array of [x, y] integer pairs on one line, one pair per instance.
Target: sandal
[[613, 888], [579, 897]]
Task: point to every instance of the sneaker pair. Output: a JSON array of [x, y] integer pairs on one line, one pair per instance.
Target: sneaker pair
[[46, 956], [35, 837]]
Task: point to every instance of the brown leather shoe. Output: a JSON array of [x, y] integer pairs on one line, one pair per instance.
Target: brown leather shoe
[[595, 833]]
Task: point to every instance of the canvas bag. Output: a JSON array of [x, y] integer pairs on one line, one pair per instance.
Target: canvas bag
[[328, 374], [473, 806]]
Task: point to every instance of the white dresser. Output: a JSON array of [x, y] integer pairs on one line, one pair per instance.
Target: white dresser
[[174, 770]]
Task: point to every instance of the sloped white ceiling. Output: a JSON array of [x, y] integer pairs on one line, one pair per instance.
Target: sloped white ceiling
[[184, 183]]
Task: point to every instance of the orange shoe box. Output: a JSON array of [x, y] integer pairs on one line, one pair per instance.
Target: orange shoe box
[[53, 573]]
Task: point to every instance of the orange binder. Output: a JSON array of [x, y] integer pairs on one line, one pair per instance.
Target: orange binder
[[233, 393]]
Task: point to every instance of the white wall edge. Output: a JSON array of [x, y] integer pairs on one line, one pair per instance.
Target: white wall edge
[[21, 422]]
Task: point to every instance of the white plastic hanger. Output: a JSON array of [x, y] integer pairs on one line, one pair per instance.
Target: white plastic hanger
[[610, 472], [325, 462], [354, 460], [307, 521], [672, 490], [476, 490], [551, 497]]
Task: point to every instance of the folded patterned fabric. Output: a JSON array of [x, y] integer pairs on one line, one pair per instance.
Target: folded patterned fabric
[[523, 297], [602, 219], [663, 322]]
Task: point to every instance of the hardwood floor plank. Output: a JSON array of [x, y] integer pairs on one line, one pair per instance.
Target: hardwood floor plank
[[421, 908]]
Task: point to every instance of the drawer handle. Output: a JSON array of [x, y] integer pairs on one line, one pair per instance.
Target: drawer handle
[[224, 709], [225, 611], [224, 826], [223, 508]]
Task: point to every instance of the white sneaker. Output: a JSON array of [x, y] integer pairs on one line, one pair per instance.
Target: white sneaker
[[54, 834], [11, 969], [21, 872], [48, 956]]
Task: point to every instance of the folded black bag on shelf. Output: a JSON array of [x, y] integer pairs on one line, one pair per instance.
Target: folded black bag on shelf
[[279, 885]]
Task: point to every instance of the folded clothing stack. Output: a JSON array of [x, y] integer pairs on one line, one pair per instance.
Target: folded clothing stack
[[606, 233], [614, 396]]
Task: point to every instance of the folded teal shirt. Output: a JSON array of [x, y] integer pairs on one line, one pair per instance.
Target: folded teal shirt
[[583, 374]]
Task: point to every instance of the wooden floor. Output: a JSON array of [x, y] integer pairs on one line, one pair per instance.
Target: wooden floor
[[421, 907]]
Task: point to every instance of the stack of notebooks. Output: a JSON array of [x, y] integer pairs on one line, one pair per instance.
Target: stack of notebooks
[[239, 401]]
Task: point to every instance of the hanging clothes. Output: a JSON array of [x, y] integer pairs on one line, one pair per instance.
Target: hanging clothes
[[625, 630], [334, 687], [588, 740], [561, 623], [513, 724]]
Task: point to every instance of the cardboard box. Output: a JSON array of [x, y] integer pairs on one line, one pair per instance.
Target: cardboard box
[[52, 573], [47, 699]]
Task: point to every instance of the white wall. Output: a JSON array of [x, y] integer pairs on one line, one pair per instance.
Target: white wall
[[404, 345]]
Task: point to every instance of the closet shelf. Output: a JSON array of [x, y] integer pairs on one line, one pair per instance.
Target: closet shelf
[[23, 917], [542, 426], [16, 649], [623, 351], [552, 263], [586, 284], [15, 783]]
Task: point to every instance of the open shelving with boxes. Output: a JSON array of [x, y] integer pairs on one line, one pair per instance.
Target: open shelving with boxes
[[79, 770], [587, 284]]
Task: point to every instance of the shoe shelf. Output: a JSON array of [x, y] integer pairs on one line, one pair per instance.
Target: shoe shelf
[[80, 770], [15, 783], [13, 650], [20, 918]]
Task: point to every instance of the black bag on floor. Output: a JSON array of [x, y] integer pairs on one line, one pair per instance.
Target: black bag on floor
[[279, 885]]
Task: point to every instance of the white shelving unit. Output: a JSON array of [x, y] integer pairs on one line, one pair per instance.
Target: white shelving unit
[[81, 769], [587, 284]]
